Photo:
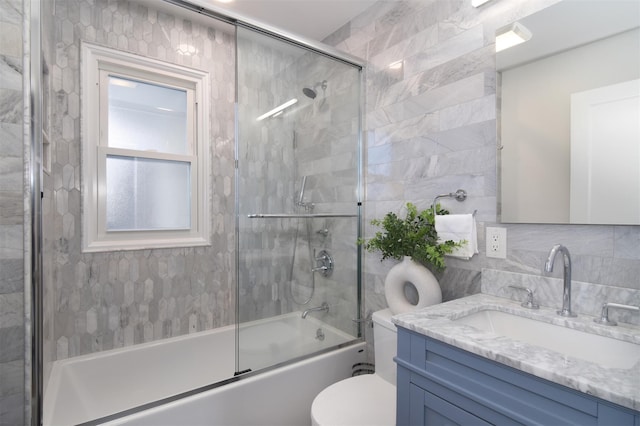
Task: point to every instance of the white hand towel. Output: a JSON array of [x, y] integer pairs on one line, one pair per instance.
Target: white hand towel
[[459, 227]]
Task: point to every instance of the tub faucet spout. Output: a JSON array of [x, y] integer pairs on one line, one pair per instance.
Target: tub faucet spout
[[324, 307], [566, 292]]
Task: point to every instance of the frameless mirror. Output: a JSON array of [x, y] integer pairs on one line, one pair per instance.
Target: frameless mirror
[[569, 108]]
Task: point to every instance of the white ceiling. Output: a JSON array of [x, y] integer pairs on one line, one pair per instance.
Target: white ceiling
[[312, 19]]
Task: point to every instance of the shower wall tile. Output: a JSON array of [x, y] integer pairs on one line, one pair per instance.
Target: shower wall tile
[[11, 276], [431, 129], [12, 202], [100, 301], [318, 142]]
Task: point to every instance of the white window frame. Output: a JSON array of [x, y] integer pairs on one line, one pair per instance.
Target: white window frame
[[98, 63]]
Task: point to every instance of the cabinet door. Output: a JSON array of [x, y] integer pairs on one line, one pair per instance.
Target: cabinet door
[[428, 409]]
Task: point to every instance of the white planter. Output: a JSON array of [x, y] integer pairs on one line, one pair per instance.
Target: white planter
[[425, 283]]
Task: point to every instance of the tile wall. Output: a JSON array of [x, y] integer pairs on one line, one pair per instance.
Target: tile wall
[[431, 129], [12, 296], [99, 301], [316, 138]]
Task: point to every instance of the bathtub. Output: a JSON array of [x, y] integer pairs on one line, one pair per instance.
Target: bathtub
[[201, 366]]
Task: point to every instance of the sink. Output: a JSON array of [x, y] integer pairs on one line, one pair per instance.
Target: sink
[[605, 351]]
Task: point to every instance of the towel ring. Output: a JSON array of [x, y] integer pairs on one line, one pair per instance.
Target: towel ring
[[459, 195]]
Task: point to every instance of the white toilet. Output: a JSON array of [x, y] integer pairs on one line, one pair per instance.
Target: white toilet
[[369, 399]]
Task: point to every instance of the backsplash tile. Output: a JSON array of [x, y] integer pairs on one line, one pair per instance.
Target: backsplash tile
[[586, 298]]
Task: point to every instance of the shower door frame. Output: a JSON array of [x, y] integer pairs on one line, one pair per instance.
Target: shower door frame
[[357, 64]]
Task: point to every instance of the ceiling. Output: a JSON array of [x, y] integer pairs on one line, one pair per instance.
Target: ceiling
[[311, 19]]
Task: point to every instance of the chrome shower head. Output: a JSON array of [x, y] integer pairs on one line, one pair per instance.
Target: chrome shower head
[[311, 92]]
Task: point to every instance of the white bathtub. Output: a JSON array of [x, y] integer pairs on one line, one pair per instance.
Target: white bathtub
[[94, 386]]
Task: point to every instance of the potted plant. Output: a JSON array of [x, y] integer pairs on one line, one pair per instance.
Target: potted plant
[[414, 236], [414, 241]]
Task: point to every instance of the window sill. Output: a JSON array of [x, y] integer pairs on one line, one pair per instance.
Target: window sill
[[144, 244]]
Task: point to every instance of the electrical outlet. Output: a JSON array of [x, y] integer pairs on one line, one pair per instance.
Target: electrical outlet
[[496, 242]]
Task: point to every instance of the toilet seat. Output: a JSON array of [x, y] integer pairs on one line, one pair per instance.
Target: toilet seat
[[374, 397]]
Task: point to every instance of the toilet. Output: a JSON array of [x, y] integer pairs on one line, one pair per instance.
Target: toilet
[[369, 399]]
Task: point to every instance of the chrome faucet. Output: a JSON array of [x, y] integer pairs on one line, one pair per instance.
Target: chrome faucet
[[566, 292], [324, 307], [604, 314], [529, 303]]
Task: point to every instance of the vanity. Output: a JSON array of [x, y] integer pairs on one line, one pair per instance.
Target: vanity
[[484, 359]]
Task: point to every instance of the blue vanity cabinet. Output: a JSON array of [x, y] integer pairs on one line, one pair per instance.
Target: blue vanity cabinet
[[439, 384]]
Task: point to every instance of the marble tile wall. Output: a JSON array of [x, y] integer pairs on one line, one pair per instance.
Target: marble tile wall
[[99, 301], [327, 152], [431, 128], [586, 298], [12, 322], [274, 155]]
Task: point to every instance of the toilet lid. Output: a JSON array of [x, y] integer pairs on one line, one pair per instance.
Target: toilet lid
[[366, 400]]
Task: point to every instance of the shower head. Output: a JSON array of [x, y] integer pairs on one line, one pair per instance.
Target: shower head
[[311, 92]]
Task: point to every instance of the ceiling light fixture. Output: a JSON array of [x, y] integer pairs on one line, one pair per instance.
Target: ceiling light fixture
[[511, 35], [278, 109], [478, 3]]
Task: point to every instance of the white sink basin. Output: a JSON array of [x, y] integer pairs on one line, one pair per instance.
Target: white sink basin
[[605, 351]]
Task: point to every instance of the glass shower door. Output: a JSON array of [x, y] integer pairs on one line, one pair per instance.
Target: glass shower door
[[297, 195]]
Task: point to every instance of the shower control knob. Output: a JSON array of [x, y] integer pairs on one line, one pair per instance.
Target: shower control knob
[[324, 264]]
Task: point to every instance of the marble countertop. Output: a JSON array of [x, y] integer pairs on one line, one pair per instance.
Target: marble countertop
[[620, 386]]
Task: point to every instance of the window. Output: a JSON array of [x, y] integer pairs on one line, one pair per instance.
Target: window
[[145, 151]]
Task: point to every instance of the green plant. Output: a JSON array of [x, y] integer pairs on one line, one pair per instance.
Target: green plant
[[414, 236]]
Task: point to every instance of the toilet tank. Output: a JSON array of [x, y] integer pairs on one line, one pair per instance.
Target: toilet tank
[[385, 345]]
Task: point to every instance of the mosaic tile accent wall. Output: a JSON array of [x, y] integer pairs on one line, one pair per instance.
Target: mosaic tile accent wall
[[431, 128], [100, 301], [12, 322]]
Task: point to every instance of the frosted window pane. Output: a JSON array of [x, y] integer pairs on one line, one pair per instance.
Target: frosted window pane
[[144, 194], [147, 117]]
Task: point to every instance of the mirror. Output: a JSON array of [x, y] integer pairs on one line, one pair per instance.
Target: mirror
[[569, 108]]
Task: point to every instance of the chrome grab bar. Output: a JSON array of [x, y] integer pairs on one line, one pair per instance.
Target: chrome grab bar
[[297, 215]]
